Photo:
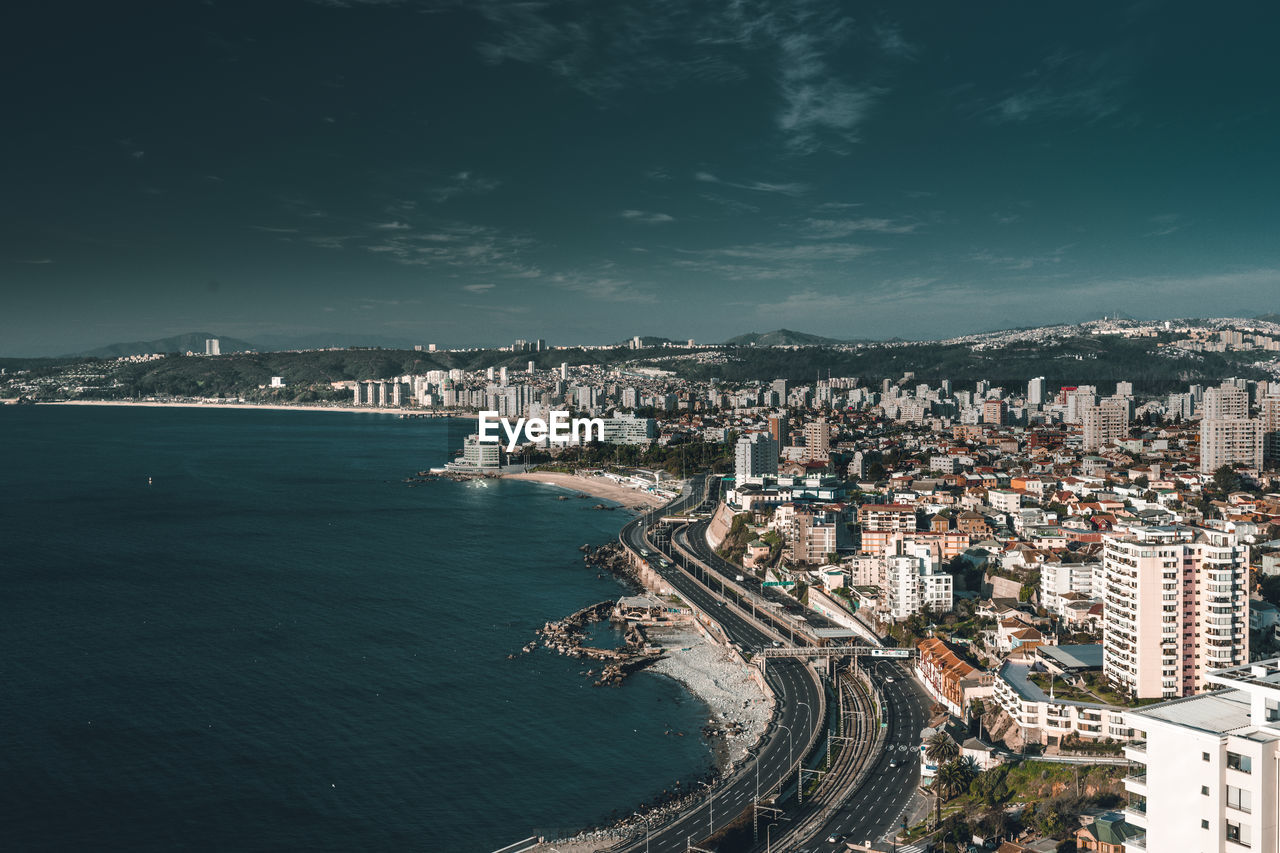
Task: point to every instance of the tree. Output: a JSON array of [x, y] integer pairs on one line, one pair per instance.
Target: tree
[[1226, 480]]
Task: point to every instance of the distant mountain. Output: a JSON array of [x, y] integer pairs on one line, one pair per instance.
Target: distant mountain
[[1268, 318], [190, 342], [781, 338], [328, 340]]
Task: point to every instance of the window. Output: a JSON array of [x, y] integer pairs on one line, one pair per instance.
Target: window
[[1239, 833], [1236, 761], [1205, 756], [1204, 790], [1204, 824], [1239, 798]]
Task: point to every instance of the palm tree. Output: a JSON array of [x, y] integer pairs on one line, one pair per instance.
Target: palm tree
[[938, 750], [953, 779]]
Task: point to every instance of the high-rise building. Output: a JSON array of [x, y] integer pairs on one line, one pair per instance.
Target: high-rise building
[[1124, 389], [879, 523], [1176, 607], [916, 583], [1106, 422], [1226, 401], [212, 346], [1271, 432], [778, 429], [993, 412], [502, 376], [1229, 441], [564, 370], [755, 456], [1035, 392], [1205, 770], [817, 440]]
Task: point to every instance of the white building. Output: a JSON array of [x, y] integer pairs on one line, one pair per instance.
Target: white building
[[755, 456], [1230, 441], [1208, 771], [1059, 579], [1175, 608], [915, 583], [1105, 422]]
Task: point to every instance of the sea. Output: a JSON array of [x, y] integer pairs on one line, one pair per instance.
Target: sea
[[243, 630]]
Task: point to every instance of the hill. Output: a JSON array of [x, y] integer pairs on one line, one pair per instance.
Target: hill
[[190, 342], [781, 338]]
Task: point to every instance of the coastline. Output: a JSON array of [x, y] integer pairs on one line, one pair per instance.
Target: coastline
[[270, 407], [599, 487]]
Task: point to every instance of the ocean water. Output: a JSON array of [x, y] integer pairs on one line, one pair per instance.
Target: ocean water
[[278, 645]]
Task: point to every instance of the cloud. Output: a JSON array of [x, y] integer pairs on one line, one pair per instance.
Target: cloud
[[601, 287], [462, 183], [1020, 262], [820, 110], [392, 226], [768, 261], [478, 288], [647, 218], [791, 188], [1165, 224], [271, 229], [1065, 86], [837, 228]]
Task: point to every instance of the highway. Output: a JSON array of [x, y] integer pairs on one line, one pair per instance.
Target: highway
[[878, 806], [798, 697]]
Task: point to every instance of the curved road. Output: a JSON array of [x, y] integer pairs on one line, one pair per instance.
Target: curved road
[[797, 692]]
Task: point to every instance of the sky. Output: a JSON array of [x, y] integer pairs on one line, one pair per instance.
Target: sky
[[470, 172]]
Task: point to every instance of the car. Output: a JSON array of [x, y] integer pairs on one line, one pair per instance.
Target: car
[[893, 763], [835, 838], [777, 644], [888, 679]]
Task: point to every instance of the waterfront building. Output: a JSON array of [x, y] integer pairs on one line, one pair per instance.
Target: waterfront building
[[1226, 401], [915, 582], [1176, 608], [212, 346]]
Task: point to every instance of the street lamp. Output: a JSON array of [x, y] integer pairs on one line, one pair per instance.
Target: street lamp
[[644, 818], [808, 717], [711, 804], [768, 838]]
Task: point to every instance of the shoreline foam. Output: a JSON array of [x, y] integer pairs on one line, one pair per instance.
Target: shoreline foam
[[595, 486]]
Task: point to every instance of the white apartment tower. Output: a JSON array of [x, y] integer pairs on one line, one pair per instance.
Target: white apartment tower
[[1271, 431], [1227, 401], [1207, 773], [754, 456], [212, 346], [1230, 441], [1035, 392], [1176, 607], [915, 583]]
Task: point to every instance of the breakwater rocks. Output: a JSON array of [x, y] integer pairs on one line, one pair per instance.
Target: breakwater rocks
[[566, 636], [612, 558], [457, 476]]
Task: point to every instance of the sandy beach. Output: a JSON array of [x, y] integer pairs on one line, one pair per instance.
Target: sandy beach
[[599, 487]]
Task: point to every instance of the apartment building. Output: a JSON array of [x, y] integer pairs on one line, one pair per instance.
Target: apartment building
[[754, 457], [1044, 717], [1207, 768], [949, 679], [1230, 441], [817, 441], [914, 583], [1228, 401], [1107, 421], [1059, 580], [880, 521], [1175, 608]]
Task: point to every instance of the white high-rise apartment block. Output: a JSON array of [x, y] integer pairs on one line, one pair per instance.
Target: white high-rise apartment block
[[1230, 441], [1124, 389], [1176, 607], [1035, 392], [817, 440], [754, 456], [1208, 771], [915, 583], [1106, 422], [1227, 401], [1271, 431], [212, 346], [1058, 579]]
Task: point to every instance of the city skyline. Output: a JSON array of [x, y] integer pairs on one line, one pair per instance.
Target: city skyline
[[468, 174]]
